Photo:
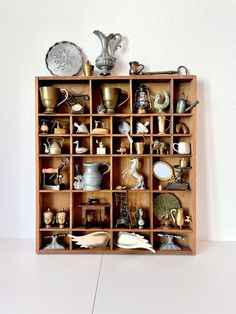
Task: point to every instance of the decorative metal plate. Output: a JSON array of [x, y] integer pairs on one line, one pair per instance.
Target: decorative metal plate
[[164, 203], [64, 59]]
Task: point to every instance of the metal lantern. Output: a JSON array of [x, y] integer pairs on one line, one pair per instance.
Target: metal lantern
[[142, 99]]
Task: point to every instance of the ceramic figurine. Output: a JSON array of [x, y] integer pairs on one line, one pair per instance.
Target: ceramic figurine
[[101, 109], [133, 171], [79, 150], [122, 149], [101, 150], [92, 240], [61, 218], [160, 107], [48, 218], [128, 240]]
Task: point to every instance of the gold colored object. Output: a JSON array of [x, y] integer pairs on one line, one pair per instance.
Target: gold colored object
[[61, 218], [139, 146], [60, 130], [99, 130], [50, 96], [162, 124], [179, 219], [88, 69], [48, 218], [110, 98]]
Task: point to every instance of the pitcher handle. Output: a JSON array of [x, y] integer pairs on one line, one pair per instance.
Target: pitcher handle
[[124, 92], [168, 125], [63, 91], [171, 214], [176, 150], [61, 138], [109, 168], [142, 67]]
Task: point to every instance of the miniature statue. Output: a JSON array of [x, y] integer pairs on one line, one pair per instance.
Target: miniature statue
[[122, 149], [54, 245], [101, 109], [169, 245], [140, 220], [133, 171], [61, 218], [160, 107], [48, 218], [124, 219], [101, 150], [101, 129]]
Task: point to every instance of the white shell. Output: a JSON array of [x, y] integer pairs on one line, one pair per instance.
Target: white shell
[[92, 240], [127, 240]]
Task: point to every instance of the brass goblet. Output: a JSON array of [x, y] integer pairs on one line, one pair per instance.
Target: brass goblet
[[50, 96]]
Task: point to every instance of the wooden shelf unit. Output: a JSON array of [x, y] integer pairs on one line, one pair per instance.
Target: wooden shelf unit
[[70, 198]]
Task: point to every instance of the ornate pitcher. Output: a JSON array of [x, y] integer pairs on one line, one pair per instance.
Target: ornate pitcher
[[106, 61], [92, 178]]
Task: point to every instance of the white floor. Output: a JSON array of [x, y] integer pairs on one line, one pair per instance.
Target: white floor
[[121, 284]]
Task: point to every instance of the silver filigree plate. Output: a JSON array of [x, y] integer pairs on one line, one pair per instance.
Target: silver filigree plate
[[64, 59]]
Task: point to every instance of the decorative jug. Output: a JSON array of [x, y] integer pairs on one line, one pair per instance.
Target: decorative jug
[[135, 67], [179, 219], [106, 61], [92, 178]]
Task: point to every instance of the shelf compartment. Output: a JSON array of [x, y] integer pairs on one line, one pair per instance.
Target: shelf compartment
[[122, 163], [147, 236], [77, 247], [83, 142], [54, 124], [78, 120], [135, 200], [106, 143], [79, 218], [182, 125], [54, 162], [45, 239], [184, 243], [97, 87], [141, 145], [166, 121], [119, 144], [65, 149]]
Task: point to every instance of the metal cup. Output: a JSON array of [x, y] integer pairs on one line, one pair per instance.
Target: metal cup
[[50, 96], [88, 69], [110, 98], [139, 146]]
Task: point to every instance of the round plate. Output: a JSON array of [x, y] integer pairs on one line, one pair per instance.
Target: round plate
[[164, 202], [64, 59]]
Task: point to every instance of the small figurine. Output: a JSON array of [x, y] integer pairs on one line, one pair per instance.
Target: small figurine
[[101, 129], [92, 240], [61, 218], [54, 245], [101, 109], [101, 150], [160, 107], [140, 220], [128, 240], [48, 218], [133, 171], [81, 128], [122, 149], [169, 245], [124, 219], [79, 150]]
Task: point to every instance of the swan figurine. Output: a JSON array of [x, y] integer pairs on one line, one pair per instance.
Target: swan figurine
[[127, 240], [79, 150], [160, 107]]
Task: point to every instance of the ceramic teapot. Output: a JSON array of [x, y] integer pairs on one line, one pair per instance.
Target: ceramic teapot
[[54, 147]]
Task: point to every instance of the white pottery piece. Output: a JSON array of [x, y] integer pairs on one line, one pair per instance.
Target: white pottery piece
[[92, 240], [127, 240]]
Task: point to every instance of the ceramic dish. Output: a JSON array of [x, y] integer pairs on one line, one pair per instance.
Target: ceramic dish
[[64, 59]]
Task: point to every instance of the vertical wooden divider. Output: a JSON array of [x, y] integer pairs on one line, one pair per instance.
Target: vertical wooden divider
[[172, 115], [71, 177]]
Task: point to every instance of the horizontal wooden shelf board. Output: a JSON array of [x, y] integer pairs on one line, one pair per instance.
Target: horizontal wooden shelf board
[[140, 115], [116, 230], [55, 135]]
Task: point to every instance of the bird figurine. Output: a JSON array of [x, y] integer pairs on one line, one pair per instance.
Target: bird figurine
[[160, 107]]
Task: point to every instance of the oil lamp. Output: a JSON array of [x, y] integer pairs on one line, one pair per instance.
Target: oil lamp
[[142, 99]]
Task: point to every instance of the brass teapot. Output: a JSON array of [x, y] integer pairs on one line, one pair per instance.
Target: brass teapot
[[54, 147]]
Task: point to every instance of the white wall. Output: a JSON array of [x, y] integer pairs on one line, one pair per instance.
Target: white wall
[[160, 34]]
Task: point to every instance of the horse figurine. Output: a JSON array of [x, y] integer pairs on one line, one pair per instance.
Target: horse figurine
[[133, 171]]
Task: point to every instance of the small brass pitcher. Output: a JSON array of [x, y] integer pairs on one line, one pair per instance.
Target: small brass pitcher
[[162, 124], [139, 146]]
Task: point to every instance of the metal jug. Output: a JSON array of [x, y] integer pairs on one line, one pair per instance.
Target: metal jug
[[92, 178], [55, 147]]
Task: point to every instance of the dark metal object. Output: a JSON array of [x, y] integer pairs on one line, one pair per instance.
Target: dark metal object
[[92, 201], [179, 70], [124, 219], [179, 184]]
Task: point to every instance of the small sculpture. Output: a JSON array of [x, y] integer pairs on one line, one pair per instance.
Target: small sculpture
[[101, 109], [141, 128], [48, 218], [92, 240], [140, 220], [169, 244], [106, 61], [128, 240], [101, 150], [124, 219], [133, 171], [181, 128], [179, 218], [81, 128], [122, 149], [101, 129], [61, 218], [54, 245], [79, 150], [160, 107]]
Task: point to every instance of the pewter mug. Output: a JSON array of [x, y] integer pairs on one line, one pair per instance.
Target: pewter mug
[[135, 68], [92, 178], [50, 96]]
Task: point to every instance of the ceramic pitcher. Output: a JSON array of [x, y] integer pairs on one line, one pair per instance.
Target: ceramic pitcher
[[92, 178]]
